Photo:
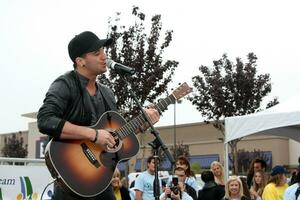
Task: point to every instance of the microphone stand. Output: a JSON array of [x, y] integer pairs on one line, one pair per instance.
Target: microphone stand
[[155, 144]]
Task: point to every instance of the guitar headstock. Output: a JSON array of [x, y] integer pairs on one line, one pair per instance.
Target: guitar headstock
[[178, 93], [182, 90]]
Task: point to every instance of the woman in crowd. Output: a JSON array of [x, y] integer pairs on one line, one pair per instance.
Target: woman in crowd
[[183, 162], [218, 171], [121, 192], [277, 184], [234, 189], [258, 184]]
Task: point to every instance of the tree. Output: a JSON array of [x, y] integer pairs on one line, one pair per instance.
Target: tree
[[14, 147], [180, 150], [229, 89], [196, 168], [272, 103], [143, 52]]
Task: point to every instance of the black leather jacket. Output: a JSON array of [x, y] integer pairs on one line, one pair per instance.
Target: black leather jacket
[[68, 100]]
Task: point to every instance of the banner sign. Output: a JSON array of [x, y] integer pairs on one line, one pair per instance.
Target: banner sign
[[25, 182]]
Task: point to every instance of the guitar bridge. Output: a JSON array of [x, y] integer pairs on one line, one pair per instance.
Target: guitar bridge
[[89, 154]]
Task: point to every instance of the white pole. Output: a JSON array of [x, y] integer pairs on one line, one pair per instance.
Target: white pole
[[226, 164]]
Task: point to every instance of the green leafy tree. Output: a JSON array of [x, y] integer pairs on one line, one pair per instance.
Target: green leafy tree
[[144, 52], [229, 89], [14, 147], [196, 168]]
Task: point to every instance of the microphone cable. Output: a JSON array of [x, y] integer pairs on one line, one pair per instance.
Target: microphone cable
[[46, 188]]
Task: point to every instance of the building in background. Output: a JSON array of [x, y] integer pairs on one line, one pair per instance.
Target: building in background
[[20, 135], [204, 141]]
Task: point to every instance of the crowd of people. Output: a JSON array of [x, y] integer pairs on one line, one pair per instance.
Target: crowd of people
[[182, 185]]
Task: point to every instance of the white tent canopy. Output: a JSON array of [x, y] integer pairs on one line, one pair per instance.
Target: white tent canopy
[[280, 120]]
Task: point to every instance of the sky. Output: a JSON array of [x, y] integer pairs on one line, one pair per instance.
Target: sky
[[34, 35]]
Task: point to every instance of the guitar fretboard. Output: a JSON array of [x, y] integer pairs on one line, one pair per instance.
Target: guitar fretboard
[[135, 124]]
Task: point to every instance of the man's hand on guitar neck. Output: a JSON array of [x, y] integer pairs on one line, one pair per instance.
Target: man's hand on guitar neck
[[153, 114], [105, 139]]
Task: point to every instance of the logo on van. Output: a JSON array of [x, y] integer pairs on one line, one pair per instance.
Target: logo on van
[[26, 189]]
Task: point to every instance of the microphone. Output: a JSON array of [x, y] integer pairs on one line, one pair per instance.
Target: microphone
[[119, 68]]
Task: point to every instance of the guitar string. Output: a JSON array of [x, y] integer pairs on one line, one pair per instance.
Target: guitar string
[[139, 120]]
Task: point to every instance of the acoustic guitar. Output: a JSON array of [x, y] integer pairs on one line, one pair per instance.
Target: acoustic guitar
[[86, 169]]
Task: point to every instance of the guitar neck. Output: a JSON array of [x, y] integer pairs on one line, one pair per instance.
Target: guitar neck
[[134, 125]]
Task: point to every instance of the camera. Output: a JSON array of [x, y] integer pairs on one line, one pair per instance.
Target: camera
[[174, 187], [175, 190]]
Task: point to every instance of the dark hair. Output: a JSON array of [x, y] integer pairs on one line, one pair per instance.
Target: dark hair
[[261, 161], [207, 176], [251, 169], [246, 191], [185, 161], [150, 158]]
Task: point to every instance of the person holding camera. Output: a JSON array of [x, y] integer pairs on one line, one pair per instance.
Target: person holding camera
[[182, 176], [175, 193], [178, 189], [190, 179]]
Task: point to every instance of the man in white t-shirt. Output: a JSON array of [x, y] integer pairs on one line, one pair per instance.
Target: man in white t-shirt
[[145, 181]]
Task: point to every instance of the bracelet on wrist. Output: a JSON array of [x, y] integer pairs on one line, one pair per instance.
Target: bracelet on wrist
[[96, 136]]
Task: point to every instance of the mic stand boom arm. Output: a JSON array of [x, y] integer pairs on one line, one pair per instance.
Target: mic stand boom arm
[[181, 91]]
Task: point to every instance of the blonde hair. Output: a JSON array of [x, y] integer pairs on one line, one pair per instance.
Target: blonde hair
[[117, 173], [217, 179], [259, 188], [276, 179], [231, 179]]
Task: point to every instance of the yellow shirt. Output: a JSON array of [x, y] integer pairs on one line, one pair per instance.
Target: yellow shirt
[[273, 192], [118, 194]]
